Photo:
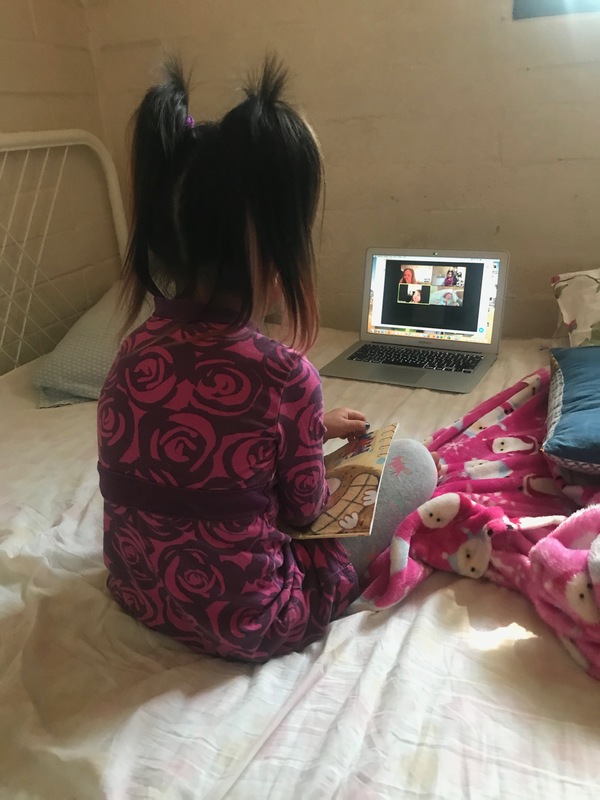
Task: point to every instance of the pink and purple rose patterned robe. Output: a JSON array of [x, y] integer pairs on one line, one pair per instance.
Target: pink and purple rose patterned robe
[[207, 436]]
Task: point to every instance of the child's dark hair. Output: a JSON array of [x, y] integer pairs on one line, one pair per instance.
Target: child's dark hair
[[227, 205]]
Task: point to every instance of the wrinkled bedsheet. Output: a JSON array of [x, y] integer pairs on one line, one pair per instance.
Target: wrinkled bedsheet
[[462, 691]]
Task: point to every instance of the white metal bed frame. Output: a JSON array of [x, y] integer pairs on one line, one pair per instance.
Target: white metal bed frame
[[19, 289]]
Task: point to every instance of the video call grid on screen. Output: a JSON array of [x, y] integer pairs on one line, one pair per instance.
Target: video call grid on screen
[[428, 297]]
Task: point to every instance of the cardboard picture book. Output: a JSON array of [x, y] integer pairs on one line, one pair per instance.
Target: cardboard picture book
[[353, 475]]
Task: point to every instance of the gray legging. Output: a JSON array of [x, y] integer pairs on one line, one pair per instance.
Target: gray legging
[[408, 481]]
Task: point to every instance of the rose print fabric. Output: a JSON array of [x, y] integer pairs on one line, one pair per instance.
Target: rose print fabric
[[207, 436]]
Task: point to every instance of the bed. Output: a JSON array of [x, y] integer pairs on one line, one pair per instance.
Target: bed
[[460, 691]]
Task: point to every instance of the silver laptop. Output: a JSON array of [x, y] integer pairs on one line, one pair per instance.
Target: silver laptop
[[431, 319]]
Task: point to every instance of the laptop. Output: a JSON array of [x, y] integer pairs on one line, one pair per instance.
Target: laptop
[[431, 319]]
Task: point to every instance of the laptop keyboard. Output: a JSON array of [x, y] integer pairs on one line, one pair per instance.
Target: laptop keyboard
[[399, 356]]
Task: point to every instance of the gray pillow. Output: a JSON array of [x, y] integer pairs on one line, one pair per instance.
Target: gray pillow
[[77, 367]]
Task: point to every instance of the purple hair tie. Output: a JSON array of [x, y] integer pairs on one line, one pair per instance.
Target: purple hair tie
[[189, 122]]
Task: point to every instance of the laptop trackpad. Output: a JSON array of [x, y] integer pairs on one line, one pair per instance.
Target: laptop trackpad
[[403, 376]]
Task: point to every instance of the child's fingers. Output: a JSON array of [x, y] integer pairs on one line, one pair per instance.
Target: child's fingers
[[357, 428], [356, 423], [345, 423], [352, 414]]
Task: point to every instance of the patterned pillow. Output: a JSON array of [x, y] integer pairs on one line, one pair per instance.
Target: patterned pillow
[[573, 422], [77, 367], [578, 296]]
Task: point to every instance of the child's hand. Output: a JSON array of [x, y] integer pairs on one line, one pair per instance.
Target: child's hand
[[344, 423]]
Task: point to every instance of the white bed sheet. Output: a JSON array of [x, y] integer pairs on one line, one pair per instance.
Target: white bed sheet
[[460, 693]]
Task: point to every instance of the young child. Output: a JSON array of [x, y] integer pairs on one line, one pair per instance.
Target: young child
[[209, 431]]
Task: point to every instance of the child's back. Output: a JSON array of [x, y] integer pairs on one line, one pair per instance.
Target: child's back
[[206, 434]]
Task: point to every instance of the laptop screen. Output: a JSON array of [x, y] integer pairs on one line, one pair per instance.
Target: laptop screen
[[433, 297]]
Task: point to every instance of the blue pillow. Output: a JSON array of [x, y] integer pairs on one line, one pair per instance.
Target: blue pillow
[[573, 422]]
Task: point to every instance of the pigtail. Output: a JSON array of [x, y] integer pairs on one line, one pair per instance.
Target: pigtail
[[267, 87], [161, 125], [282, 170], [288, 180]]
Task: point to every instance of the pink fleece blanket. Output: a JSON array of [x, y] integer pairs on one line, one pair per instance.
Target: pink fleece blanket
[[501, 511]]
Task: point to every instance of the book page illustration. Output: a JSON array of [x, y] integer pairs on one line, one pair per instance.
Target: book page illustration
[[353, 475]]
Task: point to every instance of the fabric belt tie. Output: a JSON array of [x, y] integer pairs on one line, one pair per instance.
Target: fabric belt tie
[[180, 501]]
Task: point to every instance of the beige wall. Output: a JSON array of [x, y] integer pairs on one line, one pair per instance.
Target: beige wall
[[47, 77], [66, 243], [443, 122]]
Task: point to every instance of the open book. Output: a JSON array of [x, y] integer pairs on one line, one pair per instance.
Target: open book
[[353, 475]]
